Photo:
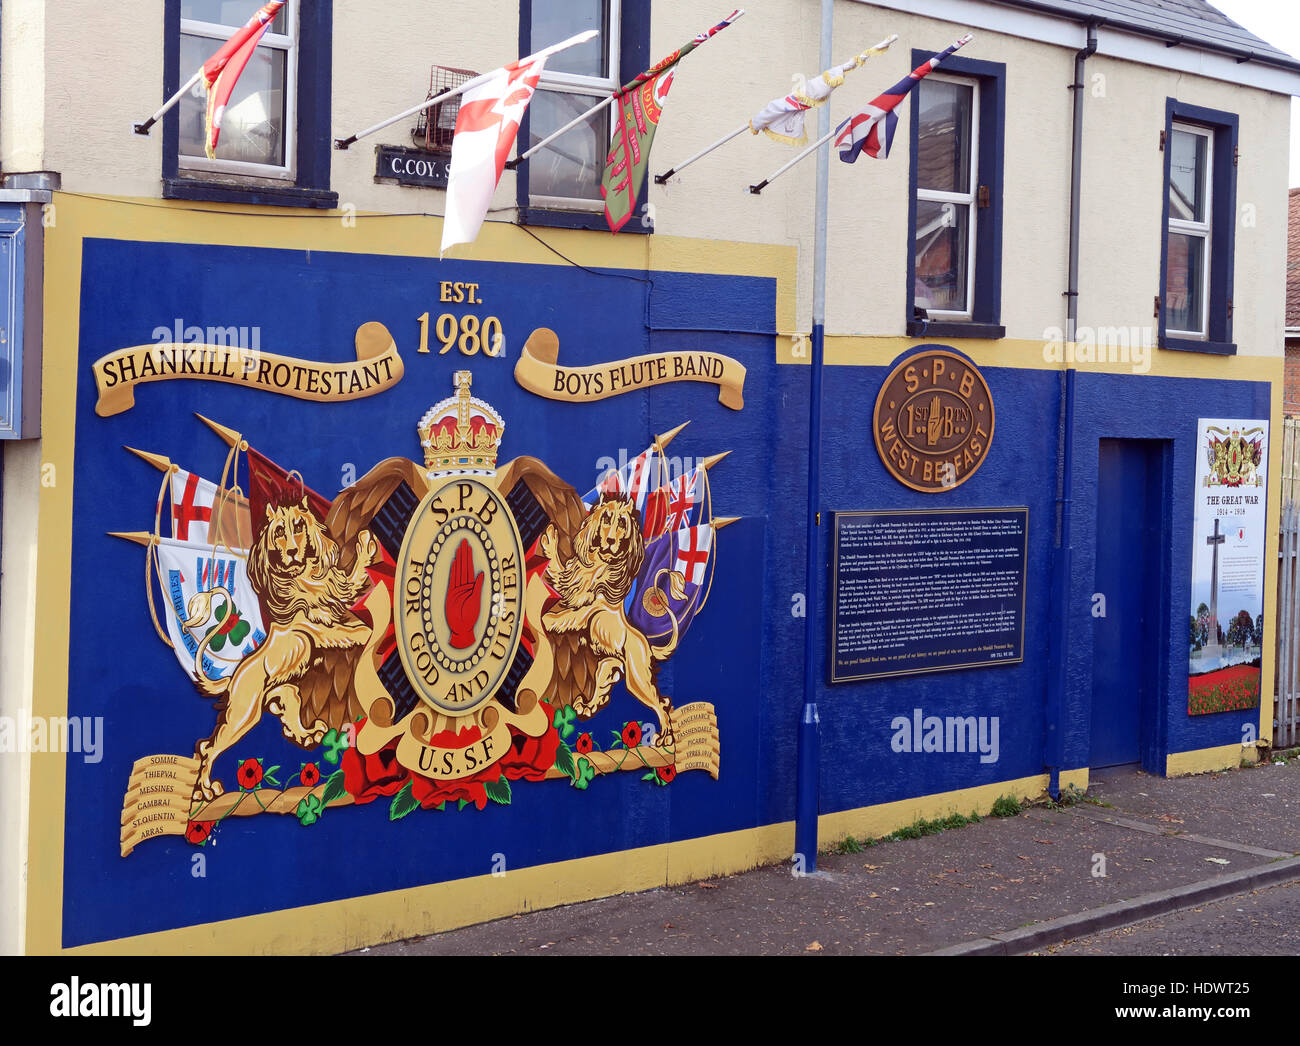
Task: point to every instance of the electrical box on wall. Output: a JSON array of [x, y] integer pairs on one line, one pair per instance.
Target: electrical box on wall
[[20, 313]]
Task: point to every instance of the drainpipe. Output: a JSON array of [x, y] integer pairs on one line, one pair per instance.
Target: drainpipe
[[1063, 550], [808, 774]]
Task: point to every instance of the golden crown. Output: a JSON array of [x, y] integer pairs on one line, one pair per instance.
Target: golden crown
[[461, 435]]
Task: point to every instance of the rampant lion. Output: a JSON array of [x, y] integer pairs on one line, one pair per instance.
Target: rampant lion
[[306, 662], [592, 583]]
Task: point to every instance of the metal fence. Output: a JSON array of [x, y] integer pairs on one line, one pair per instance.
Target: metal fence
[[1286, 707]]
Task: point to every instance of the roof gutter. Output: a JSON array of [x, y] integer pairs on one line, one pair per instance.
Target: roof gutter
[[1242, 55]]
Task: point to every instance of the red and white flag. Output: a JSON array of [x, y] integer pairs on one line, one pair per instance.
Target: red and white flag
[[693, 547], [486, 128], [222, 71]]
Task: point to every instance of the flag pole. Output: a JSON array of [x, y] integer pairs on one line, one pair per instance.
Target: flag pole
[[512, 164], [859, 58], [573, 41], [756, 189], [662, 179], [143, 128], [808, 772], [626, 89]]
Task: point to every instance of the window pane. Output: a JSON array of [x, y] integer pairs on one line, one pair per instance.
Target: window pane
[[253, 127], [556, 20], [944, 135], [1187, 154], [1184, 297], [571, 165], [233, 13], [942, 236]]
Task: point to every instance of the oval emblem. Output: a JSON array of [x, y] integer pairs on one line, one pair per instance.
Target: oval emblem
[[933, 422], [462, 609]]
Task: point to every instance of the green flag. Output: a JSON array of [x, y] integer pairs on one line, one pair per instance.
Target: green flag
[[640, 107]]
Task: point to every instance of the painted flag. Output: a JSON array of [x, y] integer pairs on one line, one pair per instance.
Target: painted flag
[[270, 486], [195, 502], [233, 617], [676, 504], [222, 71], [640, 107], [689, 553], [635, 479], [782, 119], [862, 131], [486, 128]]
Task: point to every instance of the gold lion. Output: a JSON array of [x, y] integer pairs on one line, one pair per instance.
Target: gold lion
[[307, 660], [592, 583]]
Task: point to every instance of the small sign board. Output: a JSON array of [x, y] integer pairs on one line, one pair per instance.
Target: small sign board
[[927, 591], [412, 166]]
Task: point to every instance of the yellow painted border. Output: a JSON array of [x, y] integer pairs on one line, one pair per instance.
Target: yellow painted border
[[873, 822], [1202, 760], [351, 922]]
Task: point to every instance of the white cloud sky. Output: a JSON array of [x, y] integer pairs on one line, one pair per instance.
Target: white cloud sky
[[1278, 22]]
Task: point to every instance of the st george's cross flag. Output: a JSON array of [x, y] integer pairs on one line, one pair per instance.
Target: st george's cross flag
[[782, 119], [204, 513], [639, 109], [222, 71], [486, 128], [862, 132]]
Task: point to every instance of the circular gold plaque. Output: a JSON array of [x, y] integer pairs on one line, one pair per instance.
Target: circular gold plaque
[[933, 421], [461, 596]]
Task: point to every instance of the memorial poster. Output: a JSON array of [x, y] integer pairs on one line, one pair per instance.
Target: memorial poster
[[1226, 622], [927, 591]]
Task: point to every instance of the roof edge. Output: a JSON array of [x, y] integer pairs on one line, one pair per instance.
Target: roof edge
[[1170, 39]]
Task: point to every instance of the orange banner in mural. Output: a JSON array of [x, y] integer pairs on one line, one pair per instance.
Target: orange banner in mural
[[378, 367], [538, 371]]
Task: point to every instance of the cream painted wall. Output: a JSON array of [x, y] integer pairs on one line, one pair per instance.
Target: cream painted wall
[[54, 115], [22, 86]]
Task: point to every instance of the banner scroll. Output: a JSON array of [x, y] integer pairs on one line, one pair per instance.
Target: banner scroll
[[538, 371], [378, 367]]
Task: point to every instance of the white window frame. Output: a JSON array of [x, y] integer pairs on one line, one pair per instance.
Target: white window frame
[[1201, 230], [970, 198], [286, 42], [595, 87]]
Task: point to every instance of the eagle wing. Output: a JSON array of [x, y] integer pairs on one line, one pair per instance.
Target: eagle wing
[[574, 671], [355, 507], [326, 689]]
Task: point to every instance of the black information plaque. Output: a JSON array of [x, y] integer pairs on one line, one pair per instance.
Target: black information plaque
[[927, 591]]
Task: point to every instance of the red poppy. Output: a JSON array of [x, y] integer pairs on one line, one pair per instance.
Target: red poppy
[[631, 734], [583, 744], [667, 773], [310, 775], [249, 774], [197, 832], [530, 757], [367, 777]]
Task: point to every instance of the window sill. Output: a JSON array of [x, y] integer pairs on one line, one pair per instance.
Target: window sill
[[594, 220], [261, 195], [1217, 348], [951, 329]]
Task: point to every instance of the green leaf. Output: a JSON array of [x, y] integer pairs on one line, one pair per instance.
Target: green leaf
[[564, 759], [461, 804], [239, 632], [275, 781], [334, 788], [218, 642], [272, 769], [498, 791], [221, 612], [651, 776], [441, 806], [403, 803]]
